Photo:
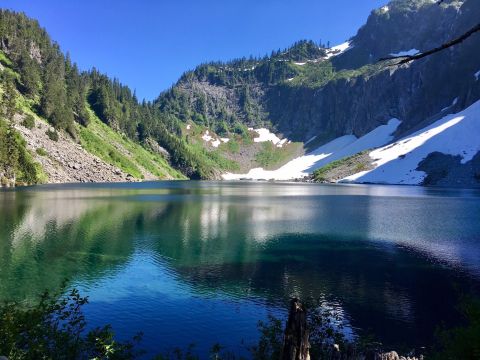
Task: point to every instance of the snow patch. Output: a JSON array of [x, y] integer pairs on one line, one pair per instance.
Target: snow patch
[[477, 75], [206, 137], [225, 140], [266, 135], [300, 63], [215, 142], [410, 52], [336, 149], [337, 50], [281, 142], [455, 134], [189, 127], [385, 9]]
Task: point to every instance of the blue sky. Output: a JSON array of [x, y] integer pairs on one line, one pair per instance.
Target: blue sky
[[148, 44]]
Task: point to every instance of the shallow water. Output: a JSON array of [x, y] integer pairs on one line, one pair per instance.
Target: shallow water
[[202, 262]]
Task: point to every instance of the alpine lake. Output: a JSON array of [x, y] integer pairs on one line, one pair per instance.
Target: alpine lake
[[202, 262]]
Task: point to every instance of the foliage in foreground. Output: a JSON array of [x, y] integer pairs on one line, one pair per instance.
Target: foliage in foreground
[[461, 342], [55, 328]]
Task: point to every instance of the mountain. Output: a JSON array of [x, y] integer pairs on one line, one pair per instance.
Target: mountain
[[317, 96], [59, 124], [299, 110]]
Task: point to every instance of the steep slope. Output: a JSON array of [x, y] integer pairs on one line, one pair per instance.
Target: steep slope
[[303, 91], [444, 153], [336, 149], [33, 151], [101, 155], [315, 95], [99, 113], [281, 116]]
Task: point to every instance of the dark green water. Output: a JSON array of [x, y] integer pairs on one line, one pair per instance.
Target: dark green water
[[203, 262]]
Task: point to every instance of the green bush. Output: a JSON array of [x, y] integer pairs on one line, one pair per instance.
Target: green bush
[[52, 135], [41, 152], [15, 160], [55, 328], [29, 121], [233, 146], [463, 341]]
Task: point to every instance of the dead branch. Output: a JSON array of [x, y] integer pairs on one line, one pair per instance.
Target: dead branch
[[407, 58]]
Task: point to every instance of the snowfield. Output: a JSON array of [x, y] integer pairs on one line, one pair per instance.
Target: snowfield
[[337, 50], [455, 134], [336, 149], [395, 163]]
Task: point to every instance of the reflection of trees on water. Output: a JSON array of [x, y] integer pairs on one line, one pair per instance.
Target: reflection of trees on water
[[339, 248], [389, 289], [49, 237]]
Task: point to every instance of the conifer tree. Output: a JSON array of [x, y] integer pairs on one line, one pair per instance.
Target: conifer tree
[[53, 104], [29, 75]]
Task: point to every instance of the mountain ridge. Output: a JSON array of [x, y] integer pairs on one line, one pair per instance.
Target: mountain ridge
[[307, 94]]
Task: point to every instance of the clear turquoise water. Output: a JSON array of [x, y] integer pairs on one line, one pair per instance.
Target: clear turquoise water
[[202, 262]]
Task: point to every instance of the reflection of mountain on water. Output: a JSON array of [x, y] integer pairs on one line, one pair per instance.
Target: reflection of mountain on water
[[253, 242], [216, 246], [54, 236]]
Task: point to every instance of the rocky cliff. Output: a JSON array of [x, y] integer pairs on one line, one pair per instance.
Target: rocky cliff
[[309, 95]]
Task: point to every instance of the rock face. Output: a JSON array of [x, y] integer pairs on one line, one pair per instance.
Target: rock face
[[447, 170], [315, 96], [415, 93], [64, 160], [363, 94]]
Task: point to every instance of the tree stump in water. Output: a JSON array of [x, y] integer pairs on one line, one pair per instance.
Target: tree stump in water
[[295, 344]]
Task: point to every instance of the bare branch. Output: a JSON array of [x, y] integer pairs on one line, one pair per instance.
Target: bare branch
[[458, 40]]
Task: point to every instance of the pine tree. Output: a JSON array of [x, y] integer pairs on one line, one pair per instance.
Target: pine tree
[[54, 105], [76, 92], [8, 104], [29, 75]]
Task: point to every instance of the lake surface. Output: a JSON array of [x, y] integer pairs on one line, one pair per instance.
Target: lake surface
[[201, 262]]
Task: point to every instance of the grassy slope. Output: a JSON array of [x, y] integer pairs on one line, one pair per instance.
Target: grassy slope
[[118, 150], [27, 171], [344, 167], [100, 140], [227, 156], [272, 157], [212, 157]]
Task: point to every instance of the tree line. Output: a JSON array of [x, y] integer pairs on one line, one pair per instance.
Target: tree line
[[64, 95]]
